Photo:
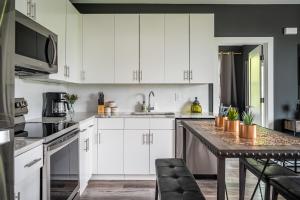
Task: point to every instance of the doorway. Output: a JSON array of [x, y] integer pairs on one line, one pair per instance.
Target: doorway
[[255, 85], [242, 79]]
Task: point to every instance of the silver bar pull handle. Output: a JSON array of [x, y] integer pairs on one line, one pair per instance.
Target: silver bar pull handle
[[18, 196], [86, 145], [90, 126], [151, 138], [32, 163], [28, 8], [144, 139], [191, 74], [33, 10], [99, 138], [141, 75]]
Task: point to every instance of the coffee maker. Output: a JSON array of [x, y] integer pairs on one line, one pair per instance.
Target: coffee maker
[[55, 104]]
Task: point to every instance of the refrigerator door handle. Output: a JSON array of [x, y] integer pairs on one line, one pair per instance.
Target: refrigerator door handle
[[4, 136]]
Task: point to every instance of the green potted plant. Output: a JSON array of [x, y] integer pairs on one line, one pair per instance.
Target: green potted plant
[[222, 117], [232, 124], [247, 127], [71, 98]]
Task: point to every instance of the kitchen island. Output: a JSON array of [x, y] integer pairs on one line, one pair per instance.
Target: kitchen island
[[268, 144]]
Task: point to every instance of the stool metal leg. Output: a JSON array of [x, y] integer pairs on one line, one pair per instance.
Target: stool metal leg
[[274, 194], [156, 191], [259, 179], [267, 191], [242, 175]]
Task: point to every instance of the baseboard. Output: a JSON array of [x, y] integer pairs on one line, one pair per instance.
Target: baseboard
[[122, 177], [206, 176]]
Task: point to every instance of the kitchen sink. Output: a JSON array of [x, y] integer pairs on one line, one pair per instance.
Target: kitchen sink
[[153, 113]]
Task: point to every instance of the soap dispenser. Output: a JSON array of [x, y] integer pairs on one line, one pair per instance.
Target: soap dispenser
[[196, 107]]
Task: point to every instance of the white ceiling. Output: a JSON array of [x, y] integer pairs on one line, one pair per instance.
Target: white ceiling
[[191, 1]]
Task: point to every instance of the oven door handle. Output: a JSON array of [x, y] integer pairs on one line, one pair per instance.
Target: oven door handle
[[56, 147]]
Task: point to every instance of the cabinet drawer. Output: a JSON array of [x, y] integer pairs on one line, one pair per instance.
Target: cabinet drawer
[[28, 163], [136, 123], [162, 124], [112, 124]]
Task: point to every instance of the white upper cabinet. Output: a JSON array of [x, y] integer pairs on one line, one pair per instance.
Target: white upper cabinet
[[126, 48], [203, 49], [98, 48], [23, 6], [152, 48], [52, 15], [176, 48], [73, 44]]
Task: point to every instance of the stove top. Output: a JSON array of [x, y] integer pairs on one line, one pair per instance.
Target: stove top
[[46, 131]]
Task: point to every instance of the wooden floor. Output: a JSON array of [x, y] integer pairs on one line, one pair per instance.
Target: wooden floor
[[144, 190]]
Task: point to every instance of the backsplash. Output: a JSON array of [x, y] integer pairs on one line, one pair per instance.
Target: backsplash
[[175, 98], [32, 91]]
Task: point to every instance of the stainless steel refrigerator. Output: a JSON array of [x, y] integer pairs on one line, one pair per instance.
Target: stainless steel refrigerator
[[7, 79]]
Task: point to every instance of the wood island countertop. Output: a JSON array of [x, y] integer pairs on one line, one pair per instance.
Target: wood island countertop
[[268, 143]]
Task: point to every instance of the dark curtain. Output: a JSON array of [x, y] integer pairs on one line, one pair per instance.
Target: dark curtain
[[228, 80]]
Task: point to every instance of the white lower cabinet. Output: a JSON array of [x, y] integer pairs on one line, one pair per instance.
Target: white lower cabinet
[[110, 152], [132, 150], [86, 153], [27, 174], [136, 151], [161, 146]]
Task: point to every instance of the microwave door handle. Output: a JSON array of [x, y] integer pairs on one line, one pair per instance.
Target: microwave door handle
[[55, 50]]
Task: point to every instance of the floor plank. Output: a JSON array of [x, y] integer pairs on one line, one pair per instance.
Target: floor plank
[[144, 190]]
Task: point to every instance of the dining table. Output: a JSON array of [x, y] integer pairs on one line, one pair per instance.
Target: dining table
[[268, 144]]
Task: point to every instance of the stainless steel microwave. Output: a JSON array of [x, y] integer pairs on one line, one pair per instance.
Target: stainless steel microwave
[[35, 48]]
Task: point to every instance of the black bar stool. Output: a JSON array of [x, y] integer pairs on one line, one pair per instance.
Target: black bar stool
[[272, 170], [288, 187]]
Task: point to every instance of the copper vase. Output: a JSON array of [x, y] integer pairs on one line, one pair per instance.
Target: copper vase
[[220, 122], [248, 131], [232, 125]]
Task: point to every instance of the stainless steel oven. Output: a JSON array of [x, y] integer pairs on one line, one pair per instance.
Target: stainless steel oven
[[61, 168]]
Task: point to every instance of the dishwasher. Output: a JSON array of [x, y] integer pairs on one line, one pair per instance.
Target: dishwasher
[[200, 161]]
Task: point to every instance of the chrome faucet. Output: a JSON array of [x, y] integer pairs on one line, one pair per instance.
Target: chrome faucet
[[150, 108]]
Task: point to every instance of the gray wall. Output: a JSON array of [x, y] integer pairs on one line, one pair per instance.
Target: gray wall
[[242, 21]]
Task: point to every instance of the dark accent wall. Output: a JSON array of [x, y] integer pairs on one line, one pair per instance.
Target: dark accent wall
[[242, 21]]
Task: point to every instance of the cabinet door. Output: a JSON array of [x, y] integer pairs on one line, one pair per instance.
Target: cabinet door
[[152, 48], [22, 6], [127, 48], [110, 152], [28, 188], [98, 48], [94, 150], [73, 43], [203, 49], [176, 48], [52, 15], [83, 159], [161, 146], [90, 150], [136, 152]]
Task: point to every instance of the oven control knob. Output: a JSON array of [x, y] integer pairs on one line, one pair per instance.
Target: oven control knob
[[17, 105]]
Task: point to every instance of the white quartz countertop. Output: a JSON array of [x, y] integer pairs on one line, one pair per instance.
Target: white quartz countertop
[[25, 144], [81, 116]]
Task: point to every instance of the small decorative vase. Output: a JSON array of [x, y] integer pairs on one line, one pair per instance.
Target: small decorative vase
[[220, 121], [232, 126], [247, 131], [71, 111]]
